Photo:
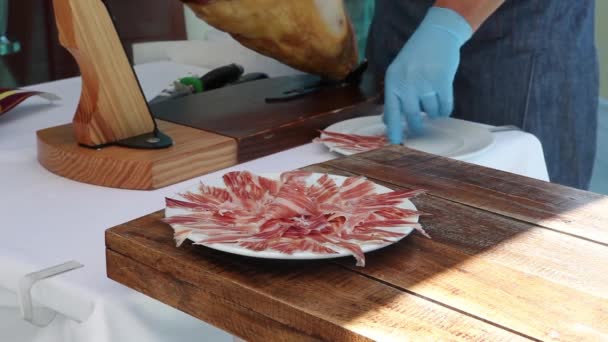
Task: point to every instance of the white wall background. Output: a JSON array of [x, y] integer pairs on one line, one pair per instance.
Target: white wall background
[[196, 28]]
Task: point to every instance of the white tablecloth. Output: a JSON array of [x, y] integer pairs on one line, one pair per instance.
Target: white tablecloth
[[47, 220]]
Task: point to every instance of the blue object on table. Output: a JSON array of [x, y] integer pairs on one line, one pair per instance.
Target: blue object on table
[[7, 47], [361, 13], [421, 77]]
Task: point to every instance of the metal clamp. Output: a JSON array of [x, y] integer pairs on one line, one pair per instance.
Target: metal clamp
[[40, 316]]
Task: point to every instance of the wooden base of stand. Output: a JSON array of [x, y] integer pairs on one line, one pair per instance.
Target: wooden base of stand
[[211, 131], [195, 153]]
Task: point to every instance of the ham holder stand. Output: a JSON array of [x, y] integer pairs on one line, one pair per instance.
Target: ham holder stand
[[117, 140]]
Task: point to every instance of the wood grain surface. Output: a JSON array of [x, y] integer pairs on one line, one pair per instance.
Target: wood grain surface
[[194, 153], [510, 259], [549, 205], [112, 106], [322, 300], [261, 128]]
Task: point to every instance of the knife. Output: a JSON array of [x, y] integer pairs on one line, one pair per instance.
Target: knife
[[254, 76], [214, 79], [354, 77]]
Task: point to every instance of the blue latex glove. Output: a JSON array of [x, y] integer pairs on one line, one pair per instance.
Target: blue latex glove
[[421, 77]]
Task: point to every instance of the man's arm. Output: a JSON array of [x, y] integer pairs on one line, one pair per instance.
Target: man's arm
[[474, 11], [421, 77]]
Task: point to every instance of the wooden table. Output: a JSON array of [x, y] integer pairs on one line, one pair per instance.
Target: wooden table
[[511, 259]]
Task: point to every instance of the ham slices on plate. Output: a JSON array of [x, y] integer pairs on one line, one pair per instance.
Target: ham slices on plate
[[293, 215], [446, 137], [351, 142]]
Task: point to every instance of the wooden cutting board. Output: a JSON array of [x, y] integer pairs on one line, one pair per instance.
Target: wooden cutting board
[[211, 131], [512, 258], [260, 128]]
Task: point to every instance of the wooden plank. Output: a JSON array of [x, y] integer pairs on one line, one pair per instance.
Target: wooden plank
[[199, 303], [262, 128], [528, 304], [131, 22], [298, 132], [504, 271], [320, 299], [112, 106], [218, 110], [551, 255], [194, 153], [552, 206], [484, 263]]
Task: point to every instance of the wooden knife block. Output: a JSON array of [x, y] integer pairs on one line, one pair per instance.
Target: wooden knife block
[[210, 131]]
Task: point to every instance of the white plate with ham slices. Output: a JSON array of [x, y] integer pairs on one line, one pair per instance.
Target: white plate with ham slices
[[294, 215], [448, 137]]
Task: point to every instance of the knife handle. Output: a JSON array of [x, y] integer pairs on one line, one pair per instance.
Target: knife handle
[[221, 76]]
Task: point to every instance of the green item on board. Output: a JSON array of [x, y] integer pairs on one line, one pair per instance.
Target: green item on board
[[194, 82]]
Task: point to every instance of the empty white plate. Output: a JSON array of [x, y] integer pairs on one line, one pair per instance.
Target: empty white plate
[[448, 137]]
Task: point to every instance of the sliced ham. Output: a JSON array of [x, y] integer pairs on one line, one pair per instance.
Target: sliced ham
[[291, 201], [289, 216], [324, 190], [352, 142], [355, 188]]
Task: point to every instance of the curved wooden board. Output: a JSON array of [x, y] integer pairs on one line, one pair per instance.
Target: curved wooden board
[[194, 153]]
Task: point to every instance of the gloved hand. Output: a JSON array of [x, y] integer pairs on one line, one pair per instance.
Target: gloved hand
[[421, 77]]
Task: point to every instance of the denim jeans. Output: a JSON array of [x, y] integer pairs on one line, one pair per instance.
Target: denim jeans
[[533, 64], [361, 13]]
